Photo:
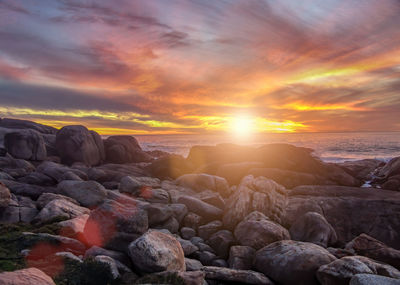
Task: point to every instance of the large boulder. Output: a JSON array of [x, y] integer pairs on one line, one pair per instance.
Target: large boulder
[[257, 231], [377, 211], [5, 195], [28, 190], [124, 149], [155, 252], [206, 211], [361, 169], [235, 276], [292, 262], [78, 144], [375, 249], [342, 270], [313, 227], [87, 193], [115, 224], [24, 124], [255, 194], [25, 144], [20, 209], [59, 172], [26, 277], [241, 257], [201, 181], [59, 208], [170, 166]]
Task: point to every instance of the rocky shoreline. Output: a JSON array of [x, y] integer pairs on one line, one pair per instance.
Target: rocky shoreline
[[77, 209]]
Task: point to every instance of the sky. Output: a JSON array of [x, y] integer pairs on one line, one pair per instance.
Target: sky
[[202, 66]]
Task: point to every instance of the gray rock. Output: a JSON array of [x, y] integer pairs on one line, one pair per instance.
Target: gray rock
[[192, 264], [129, 184], [171, 225], [257, 231], [5, 195], [205, 231], [234, 275], [28, 190], [180, 211], [46, 198], [87, 193], [74, 227], [292, 262], [201, 181], [111, 264], [78, 144], [212, 198], [241, 257], [187, 246], [25, 144], [369, 279], [24, 124], [119, 256], [219, 263], [59, 172], [158, 213], [25, 277], [59, 208], [124, 149], [67, 244], [313, 227], [177, 277], [155, 251], [68, 255], [20, 209], [221, 241], [206, 211], [187, 233], [37, 178], [192, 220], [205, 257]]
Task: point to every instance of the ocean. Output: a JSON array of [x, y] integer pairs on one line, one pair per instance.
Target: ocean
[[330, 147]]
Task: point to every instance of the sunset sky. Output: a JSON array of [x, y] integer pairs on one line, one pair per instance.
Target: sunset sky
[[197, 66]]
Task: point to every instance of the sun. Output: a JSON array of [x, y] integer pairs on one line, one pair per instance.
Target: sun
[[242, 126]]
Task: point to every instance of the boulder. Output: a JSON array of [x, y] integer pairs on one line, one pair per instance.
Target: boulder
[[257, 231], [255, 194], [87, 193], [201, 181], [173, 277], [28, 190], [78, 144], [221, 241], [115, 224], [46, 198], [212, 198], [205, 231], [170, 166], [292, 262], [206, 211], [361, 169], [116, 255], [111, 263], [373, 248], [5, 195], [59, 208], [25, 144], [74, 227], [155, 251], [158, 213], [241, 257], [59, 172], [20, 209], [377, 211], [235, 275], [37, 178], [193, 264], [124, 149], [24, 124], [313, 227], [369, 279], [187, 246], [192, 220], [16, 167], [62, 244], [180, 211], [234, 172], [26, 277], [342, 270]]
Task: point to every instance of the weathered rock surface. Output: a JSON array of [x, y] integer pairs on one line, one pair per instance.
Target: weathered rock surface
[[28, 190], [87, 193], [361, 169], [377, 211], [234, 275], [124, 149], [24, 124], [201, 181], [368, 246], [155, 251], [257, 231], [16, 167], [255, 194], [78, 144], [25, 144], [20, 209], [74, 227], [59, 208], [313, 227], [193, 264], [59, 172], [119, 256], [205, 231], [46, 198], [221, 241], [241, 257], [369, 279], [292, 262], [206, 211], [170, 166], [29, 276], [5, 195]]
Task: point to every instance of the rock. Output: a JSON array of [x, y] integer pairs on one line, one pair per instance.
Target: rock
[[170, 166], [63, 244], [234, 172], [219, 263], [59, 208], [205, 257], [361, 169], [241, 257], [393, 183], [390, 169], [5, 195], [119, 256], [234, 275], [124, 149], [342, 270], [37, 178], [292, 262], [78, 144], [171, 225], [87, 193], [369, 279], [25, 277], [221, 241], [28, 190], [187, 233], [313, 227], [205, 231], [193, 264], [115, 223], [129, 184], [20, 209], [115, 172], [173, 277], [59, 172], [377, 211], [200, 182], [206, 211], [187, 246], [257, 231], [180, 211], [255, 194], [74, 227], [211, 198], [192, 220], [158, 213], [24, 124], [25, 144], [373, 248], [16, 167], [339, 252], [155, 251], [46, 198], [111, 264]]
